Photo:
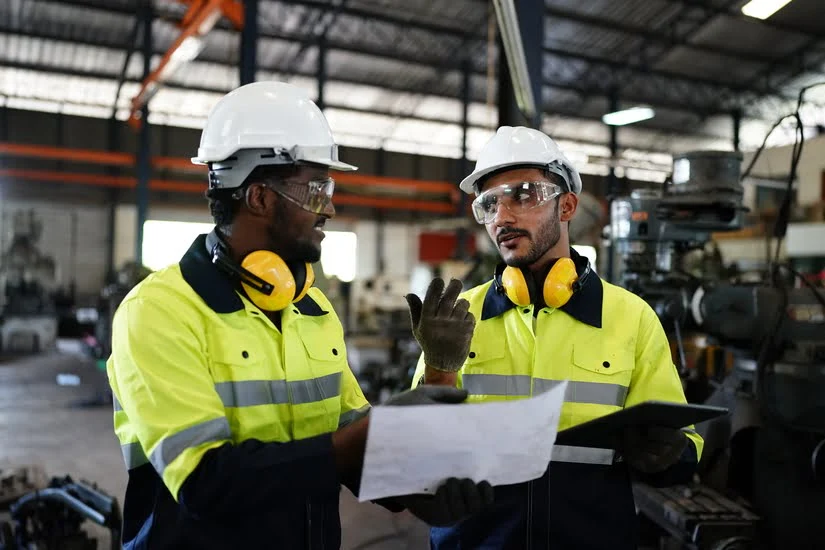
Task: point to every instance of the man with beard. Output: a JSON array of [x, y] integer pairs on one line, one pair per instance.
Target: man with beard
[[545, 317], [236, 410]]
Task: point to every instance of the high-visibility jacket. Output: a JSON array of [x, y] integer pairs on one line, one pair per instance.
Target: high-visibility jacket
[[610, 346], [224, 418]]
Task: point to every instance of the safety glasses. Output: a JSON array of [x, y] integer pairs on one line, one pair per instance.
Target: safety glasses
[[313, 196], [516, 197]]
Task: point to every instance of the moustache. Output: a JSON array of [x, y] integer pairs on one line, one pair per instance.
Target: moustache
[[510, 232]]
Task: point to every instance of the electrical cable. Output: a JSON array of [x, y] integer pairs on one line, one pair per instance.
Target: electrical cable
[[770, 344]]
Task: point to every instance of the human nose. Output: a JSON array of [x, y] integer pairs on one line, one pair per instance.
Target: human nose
[[503, 215]]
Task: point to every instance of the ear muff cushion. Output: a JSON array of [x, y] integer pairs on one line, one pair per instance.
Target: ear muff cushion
[[558, 286], [515, 286], [271, 268], [304, 279]]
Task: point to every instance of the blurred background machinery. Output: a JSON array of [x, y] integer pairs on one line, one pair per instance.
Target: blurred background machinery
[[36, 514], [28, 282], [758, 348]]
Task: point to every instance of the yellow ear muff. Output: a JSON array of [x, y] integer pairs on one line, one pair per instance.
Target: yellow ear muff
[[515, 286], [309, 280], [273, 269], [558, 286]]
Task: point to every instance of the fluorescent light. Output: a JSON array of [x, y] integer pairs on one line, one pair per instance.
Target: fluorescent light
[[762, 9], [628, 116]]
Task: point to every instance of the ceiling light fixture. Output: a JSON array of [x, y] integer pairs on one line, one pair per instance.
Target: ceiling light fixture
[[628, 116], [762, 9]]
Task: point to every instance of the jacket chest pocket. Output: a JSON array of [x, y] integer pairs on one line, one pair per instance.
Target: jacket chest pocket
[[233, 357], [600, 375]]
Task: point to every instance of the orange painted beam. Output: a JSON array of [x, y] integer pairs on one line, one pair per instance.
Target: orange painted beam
[[197, 22], [64, 153], [178, 186], [345, 179], [400, 204]]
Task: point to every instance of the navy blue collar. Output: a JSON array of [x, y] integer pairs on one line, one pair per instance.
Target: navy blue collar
[[218, 289], [585, 305]]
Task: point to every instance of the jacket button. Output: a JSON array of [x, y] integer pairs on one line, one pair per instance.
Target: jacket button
[[245, 354], [606, 364], [334, 351], [472, 354]]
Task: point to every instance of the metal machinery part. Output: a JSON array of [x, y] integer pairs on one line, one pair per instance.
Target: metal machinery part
[[51, 518], [776, 334], [27, 285]]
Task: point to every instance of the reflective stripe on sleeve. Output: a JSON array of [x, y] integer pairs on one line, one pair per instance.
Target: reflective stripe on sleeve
[[133, 455], [351, 416], [171, 447]]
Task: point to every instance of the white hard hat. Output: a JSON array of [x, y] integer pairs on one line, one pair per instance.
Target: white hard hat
[[264, 123], [521, 146]]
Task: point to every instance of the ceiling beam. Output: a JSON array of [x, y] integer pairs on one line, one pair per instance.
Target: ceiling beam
[[655, 36], [455, 64], [737, 14], [567, 113]]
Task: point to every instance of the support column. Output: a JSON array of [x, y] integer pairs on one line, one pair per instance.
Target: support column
[[737, 128], [531, 27], [249, 42], [612, 181], [462, 235], [322, 70], [144, 154]]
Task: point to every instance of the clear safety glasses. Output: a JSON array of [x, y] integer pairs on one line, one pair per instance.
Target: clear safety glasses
[[313, 196], [516, 197]]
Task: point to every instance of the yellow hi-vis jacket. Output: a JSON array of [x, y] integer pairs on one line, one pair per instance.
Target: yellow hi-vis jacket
[[613, 358], [196, 367], [607, 342]]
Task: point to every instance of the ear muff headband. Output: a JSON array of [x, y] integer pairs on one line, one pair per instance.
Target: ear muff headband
[[268, 281], [559, 286]]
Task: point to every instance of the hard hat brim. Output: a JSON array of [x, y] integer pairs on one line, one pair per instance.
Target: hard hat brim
[[331, 164]]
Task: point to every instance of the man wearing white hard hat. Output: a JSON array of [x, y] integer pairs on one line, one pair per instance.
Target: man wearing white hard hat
[[237, 413], [544, 317]]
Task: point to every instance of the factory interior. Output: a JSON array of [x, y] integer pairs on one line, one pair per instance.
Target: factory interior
[[697, 128]]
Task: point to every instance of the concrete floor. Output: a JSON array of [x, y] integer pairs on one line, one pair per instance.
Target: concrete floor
[[40, 425]]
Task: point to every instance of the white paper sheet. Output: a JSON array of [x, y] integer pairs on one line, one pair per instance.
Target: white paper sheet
[[414, 449]]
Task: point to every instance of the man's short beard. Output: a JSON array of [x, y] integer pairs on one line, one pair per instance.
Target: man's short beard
[[290, 249], [546, 237]]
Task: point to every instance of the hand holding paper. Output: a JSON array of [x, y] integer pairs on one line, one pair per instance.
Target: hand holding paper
[[415, 449]]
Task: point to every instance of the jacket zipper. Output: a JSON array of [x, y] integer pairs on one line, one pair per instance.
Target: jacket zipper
[[309, 525]]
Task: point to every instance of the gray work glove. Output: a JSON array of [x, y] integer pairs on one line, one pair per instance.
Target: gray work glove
[[651, 449], [442, 325], [455, 500], [427, 395]]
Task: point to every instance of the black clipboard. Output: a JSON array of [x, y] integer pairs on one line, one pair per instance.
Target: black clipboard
[[605, 432]]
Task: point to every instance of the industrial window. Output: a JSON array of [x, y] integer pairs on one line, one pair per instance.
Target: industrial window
[[164, 242], [338, 255]]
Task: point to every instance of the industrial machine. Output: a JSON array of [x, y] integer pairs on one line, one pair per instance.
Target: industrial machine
[[768, 456], [50, 516], [27, 285]]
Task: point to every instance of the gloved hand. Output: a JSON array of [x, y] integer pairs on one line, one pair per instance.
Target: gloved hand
[[651, 449], [427, 395], [452, 502], [442, 326]]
